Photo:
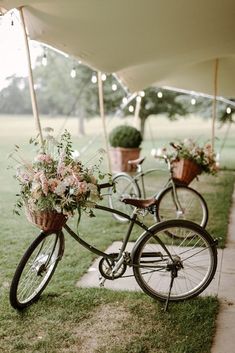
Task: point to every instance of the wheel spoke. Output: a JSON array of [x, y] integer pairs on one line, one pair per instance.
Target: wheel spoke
[[35, 269], [190, 257]]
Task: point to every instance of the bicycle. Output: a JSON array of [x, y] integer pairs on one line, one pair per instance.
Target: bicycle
[[167, 269], [175, 200]]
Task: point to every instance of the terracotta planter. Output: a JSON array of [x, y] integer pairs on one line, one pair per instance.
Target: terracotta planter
[[120, 157], [185, 170]]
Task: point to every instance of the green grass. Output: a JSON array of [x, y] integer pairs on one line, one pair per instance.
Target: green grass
[[82, 320], [69, 319]]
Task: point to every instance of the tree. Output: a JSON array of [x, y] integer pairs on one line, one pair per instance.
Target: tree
[[14, 97], [158, 101], [203, 106]]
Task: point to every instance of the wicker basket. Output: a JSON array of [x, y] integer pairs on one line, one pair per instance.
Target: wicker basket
[[185, 170], [49, 222]]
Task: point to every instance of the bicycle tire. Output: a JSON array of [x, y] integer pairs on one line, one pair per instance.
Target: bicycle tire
[[193, 205], [126, 187], [34, 272], [197, 254]]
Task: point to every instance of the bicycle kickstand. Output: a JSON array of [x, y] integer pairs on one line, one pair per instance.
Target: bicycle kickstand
[[101, 281], [173, 275]]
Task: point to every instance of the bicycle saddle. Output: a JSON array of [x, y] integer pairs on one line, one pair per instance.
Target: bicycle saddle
[[144, 203], [136, 161]]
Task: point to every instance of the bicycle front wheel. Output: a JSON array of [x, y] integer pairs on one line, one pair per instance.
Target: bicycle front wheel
[[189, 256], [190, 205], [125, 187], [36, 269]]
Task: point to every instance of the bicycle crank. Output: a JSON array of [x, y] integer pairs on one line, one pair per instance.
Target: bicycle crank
[[109, 270]]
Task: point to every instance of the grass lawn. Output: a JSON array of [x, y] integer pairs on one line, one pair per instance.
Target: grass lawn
[[68, 319]]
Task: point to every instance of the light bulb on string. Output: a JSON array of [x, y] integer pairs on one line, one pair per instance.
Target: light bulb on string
[[193, 101], [12, 21], [159, 94], [44, 60], [94, 78], [73, 72], [138, 99], [103, 77], [124, 100], [228, 110], [131, 108], [114, 87], [142, 93]]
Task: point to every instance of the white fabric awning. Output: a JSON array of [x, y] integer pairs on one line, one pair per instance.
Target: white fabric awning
[[163, 42]]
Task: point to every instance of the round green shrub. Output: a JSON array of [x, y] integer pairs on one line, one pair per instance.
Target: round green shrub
[[125, 136]]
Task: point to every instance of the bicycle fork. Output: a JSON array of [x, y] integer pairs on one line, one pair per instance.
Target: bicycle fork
[[179, 209]]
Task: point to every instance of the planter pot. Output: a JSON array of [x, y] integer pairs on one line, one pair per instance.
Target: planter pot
[[120, 157], [185, 170]]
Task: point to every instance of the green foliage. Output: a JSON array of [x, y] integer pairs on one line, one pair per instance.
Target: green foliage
[[60, 94], [15, 98], [125, 136], [203, 107], [151, 104], [56, 180], [203, 156]]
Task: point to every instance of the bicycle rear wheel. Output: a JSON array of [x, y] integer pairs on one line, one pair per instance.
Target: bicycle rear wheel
[[190, 257], [125, 187], [193, 207], [36, 269]]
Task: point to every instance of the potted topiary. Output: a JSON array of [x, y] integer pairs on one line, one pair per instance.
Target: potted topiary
[[125, 142]]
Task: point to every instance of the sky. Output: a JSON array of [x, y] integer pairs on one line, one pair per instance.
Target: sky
[[13, 58]]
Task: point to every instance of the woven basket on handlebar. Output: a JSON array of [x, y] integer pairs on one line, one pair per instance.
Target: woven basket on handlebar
[[185, 170], [49, 222]]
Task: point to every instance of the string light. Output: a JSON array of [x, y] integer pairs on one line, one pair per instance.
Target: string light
[[193, 101], [114, 87], [73, 73], [103, 77], [124, 100], [44, 60], [159, 94], [131, 108], [12, 21], [138, 99], [94, 78], [228, 110], [142, 94]]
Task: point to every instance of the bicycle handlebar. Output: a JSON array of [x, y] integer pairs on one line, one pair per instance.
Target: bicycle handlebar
[[166, 159], [175, 146]]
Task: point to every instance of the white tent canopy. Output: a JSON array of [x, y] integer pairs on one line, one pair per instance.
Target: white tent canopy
[[167, 42]]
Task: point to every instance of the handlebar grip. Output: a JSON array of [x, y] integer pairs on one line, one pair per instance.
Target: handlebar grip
[[104, 185], [175, 146]]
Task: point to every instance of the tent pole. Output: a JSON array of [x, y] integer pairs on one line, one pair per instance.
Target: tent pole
[[214, 104], [31, 82], [137, 111], [101, 103]]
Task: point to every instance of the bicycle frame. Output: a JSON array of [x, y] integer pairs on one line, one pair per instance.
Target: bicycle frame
[[133, 220], [170, 183]]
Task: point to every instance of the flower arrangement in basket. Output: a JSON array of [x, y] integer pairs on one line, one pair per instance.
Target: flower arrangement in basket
[[189, 160], [55, 184]]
